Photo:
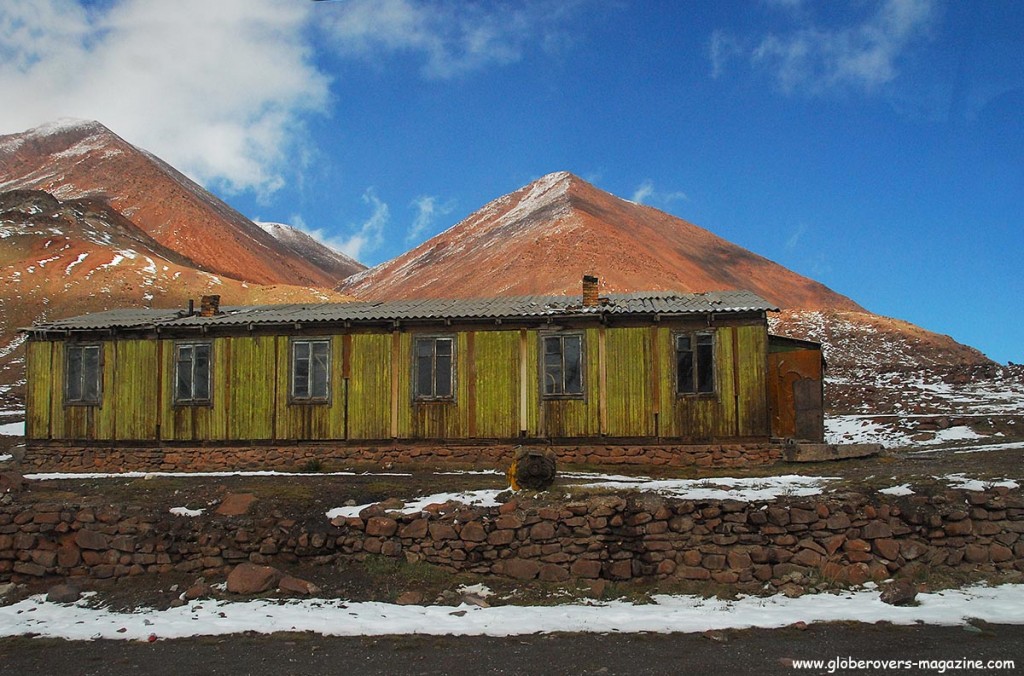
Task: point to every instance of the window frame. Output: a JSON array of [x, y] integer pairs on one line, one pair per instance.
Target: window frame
[[434, 338], [542, 362], [82, 400], [193, 400], [309, 398], [694, 337]]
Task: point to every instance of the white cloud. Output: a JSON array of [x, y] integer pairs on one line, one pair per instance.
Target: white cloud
[[453, 37], [218, 89], [646, 192], [864, 55], [428, 210], [369, 234], [794, 238]]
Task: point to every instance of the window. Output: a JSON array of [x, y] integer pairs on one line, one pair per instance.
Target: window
[[311, 368], [695, 363], [563, 366], [192, 373], [83, 375], [434, 376]]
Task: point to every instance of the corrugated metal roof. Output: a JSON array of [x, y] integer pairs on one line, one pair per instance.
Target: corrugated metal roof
[[643, 303]]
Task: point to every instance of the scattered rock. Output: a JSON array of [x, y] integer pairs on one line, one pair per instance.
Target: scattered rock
[[410, 598], [12, 482], [248, 578], [236, 504], [294, 585], [898, 593], [200, 590], [63, 593]]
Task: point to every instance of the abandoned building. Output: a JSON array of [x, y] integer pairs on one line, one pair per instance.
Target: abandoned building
[[632, 369]]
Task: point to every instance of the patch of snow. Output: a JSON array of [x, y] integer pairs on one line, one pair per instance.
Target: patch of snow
[[961, 481], [902, 489], [481, 590], [185, 511], [6, 457], [81, 257], [15, 343], [750, 489], [688, 614], [481, 498], [15, 429], [55, 476], [991, 447]]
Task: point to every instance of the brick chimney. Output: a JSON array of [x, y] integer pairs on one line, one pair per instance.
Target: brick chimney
[[209, 306], [590, 291]]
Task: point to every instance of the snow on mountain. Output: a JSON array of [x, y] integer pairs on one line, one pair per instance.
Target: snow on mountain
[[309, 248]]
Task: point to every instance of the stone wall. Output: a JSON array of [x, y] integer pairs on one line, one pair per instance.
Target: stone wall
[[788, 545], [52, 457]]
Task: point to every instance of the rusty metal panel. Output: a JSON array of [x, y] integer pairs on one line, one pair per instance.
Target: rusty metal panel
[[795, 385]]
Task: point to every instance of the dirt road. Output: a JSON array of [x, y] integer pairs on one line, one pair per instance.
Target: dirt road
[[728, 652]]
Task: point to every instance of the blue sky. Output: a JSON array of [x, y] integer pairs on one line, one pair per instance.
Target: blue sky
[[877, 147]]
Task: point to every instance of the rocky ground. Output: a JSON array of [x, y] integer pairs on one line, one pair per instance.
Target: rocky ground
[[377, 578]]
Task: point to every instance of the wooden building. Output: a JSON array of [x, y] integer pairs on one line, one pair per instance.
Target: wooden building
[[630, 368]]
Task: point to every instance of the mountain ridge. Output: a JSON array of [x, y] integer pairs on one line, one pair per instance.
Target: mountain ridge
[[561, 223]]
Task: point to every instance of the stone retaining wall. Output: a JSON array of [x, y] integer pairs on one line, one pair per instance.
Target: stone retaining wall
[[789, 545], [51, 457]]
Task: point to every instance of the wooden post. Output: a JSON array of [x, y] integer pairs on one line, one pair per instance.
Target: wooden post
[[471, 381], [602, 383], [396, 339], [523, 394]]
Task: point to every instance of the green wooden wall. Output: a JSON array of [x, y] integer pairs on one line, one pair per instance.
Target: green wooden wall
[[629, 390]]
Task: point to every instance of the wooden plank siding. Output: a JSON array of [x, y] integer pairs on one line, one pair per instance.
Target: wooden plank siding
[[251, 387], [628, 395], [497, 394], [41, 376], [369, 387], [497, 384]]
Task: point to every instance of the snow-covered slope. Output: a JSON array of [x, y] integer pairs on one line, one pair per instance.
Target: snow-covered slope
[[307, 247]]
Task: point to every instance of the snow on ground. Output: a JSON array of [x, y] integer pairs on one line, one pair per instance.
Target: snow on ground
[[721, 488], [5, 457], [963, 482], [718, 488], [35, 616], [50, 476], [886, 430], [15, 429], [902, 489], [482, 498], [185, 511]]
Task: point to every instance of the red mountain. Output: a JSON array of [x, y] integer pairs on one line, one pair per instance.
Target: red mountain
[[80, 159], [544, 237]]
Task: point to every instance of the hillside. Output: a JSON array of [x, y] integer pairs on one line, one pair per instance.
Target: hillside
[[63, 258], [74, 159], [544, 237]]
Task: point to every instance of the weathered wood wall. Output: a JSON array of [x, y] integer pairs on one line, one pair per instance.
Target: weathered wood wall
[[629, 390]]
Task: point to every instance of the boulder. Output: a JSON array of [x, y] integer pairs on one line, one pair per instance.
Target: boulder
[[248, 578], [898, 593], [63, 593], [294, 585]]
